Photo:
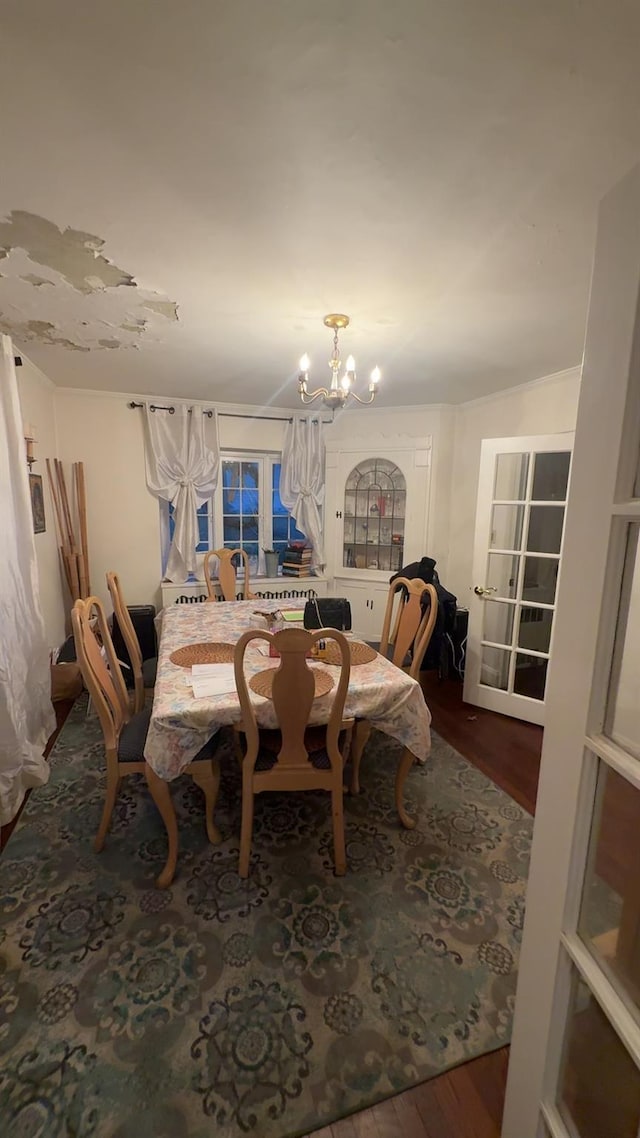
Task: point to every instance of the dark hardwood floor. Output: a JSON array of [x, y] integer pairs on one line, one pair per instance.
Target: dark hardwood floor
[[506, 750], [466, 1102]]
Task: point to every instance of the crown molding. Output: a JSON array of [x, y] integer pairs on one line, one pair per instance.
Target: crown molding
[[555, 377]]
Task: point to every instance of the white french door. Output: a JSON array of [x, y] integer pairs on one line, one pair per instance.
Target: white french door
[[522, 494], [575, 1058]]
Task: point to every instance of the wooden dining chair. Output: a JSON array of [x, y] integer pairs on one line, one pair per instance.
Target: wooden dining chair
[[144, 671], [409, 620], [125, 733], [296, 756], [227, 577]]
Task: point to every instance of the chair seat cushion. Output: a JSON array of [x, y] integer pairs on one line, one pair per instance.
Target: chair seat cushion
[[315, 741], [149, 670], [134, 736]]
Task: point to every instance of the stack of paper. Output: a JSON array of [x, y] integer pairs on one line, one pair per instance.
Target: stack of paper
[[212, 679]]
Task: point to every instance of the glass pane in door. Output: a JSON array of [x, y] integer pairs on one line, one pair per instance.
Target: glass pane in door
[[551, 476], [497, 625], [494, 668], [510, 483], [534, 630], [545, 529], [530, 677], [623, 719], [506, 527], [540, 579], [502, 574], [609, 920], [599, 1092]]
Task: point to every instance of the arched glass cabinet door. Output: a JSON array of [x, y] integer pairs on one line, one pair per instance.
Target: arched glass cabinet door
[[374, 514]]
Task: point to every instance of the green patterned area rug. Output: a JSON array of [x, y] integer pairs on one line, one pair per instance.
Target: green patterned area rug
[[268, 1007]]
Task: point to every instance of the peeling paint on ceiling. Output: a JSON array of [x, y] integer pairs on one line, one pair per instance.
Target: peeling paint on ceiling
[[34, 279], [88, 296], [41, 330], [73, 254], [166, 308]]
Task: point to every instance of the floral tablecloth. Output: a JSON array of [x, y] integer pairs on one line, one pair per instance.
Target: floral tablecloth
[[180, 725]]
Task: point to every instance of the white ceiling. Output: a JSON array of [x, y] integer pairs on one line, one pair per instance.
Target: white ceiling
[[430, 167]]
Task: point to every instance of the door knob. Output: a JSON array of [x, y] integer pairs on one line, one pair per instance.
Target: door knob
[[485, 590]]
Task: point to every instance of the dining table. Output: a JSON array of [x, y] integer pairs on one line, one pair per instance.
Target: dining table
[[380, 695]]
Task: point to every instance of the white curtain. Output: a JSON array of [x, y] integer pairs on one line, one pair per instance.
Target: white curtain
[[302, 479], [27, 718], [182, 467]]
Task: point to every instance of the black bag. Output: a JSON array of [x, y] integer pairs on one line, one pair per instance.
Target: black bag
[[328, 612]]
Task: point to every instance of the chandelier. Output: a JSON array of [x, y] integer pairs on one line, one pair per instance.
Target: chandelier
[[340, 390]]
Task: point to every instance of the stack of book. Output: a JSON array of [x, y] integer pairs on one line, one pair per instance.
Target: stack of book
[[296, 561]]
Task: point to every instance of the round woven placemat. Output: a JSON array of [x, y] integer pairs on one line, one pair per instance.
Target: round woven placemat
[[262, 681], [210, 653], [360, 653]]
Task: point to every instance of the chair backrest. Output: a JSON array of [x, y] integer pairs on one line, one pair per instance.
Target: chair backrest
[[128, 635], [293, 693], [408, 623], [103, 677], [226, 573]]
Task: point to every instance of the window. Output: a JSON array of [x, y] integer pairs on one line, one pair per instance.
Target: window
[[245, 512], [284, 527]]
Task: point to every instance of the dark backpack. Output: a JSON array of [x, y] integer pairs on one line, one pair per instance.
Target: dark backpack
[[436, 655]]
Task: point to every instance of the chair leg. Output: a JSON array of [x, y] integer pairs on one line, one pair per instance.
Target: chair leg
[[346, 752], [113, 786], [237, 746], [337, 812], [361, 733], [162, 798], [206, 775], [246, 830], [405, 763]]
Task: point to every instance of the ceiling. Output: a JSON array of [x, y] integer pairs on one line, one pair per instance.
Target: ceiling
[[187, 188]]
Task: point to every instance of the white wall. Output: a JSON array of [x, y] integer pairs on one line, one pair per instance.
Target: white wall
[[99, 429], [123, 519], [543, 407], [38, 406]]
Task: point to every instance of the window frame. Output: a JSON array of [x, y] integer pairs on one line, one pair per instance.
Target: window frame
[[265, 460]]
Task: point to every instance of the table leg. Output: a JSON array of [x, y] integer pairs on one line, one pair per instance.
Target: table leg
[[206, 775], [405, 763], [361, 733], [162, 797]]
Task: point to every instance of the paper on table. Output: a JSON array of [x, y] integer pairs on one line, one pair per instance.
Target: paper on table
[[212, 679]]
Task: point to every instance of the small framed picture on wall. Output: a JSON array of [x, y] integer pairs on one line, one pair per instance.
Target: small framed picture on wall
[[37, 503]]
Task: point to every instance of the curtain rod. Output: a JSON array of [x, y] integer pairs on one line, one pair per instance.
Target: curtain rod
[[226, 414]]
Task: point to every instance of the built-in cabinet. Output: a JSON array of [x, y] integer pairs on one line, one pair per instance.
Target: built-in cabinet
[[376, 518], [367, 600]]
